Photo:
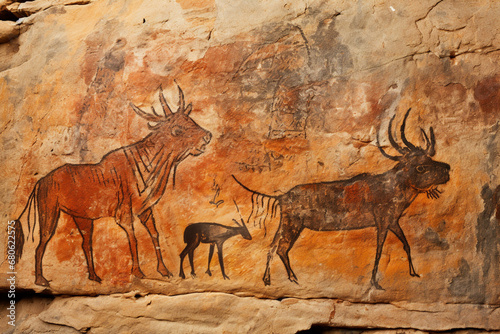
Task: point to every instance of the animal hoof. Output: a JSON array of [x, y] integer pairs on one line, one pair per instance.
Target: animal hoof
[[413, 273], [377, 286], [193, 275], [41, 281], [226, 277], [138, 273], [95, 278], [165, 272], [181, 275], [208, 272]]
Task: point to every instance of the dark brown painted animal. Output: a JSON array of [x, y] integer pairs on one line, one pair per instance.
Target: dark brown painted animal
[[213, 234], [363, 201], [125, 184]]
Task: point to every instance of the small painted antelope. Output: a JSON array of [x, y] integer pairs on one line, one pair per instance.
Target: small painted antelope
[[360, 202], [213, 234]]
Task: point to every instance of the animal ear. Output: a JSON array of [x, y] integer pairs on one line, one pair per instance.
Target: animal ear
[[234, 220], [188, 109], [177, 131]]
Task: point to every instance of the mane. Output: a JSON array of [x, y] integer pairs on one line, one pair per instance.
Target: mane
[[148, 160]]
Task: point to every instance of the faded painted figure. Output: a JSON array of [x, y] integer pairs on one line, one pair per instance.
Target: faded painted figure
[[125, 184], [213, 234], [363, 201]]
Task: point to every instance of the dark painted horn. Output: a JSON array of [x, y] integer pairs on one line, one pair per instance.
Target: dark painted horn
[[403, 137], [432, 150], [391, 138], [395, 158]]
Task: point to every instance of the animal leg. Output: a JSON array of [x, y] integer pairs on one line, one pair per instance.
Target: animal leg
[[125, 222], [182, 256], [191, 261], [86, 228], [270, 255], [396, 229], [286, 243], [221, 260], [148, 221], [48, 213], [192, 243], [381, 235], [210, 254]]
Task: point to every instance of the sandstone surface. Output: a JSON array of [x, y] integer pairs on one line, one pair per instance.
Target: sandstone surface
[[292, 93]]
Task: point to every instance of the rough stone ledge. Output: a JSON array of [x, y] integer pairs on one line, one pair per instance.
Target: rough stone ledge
[[24, 12], [219, 312]]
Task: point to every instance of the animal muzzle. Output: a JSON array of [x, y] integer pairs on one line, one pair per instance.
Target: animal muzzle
[[203, 143], [207, 138], [445, 172]]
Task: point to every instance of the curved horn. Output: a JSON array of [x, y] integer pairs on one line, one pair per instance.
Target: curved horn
[[145, 115], [181, 100], [391, 138], [154, 112], [432, 150], [164, 103], [153, 127], [403, 137], [395, 158], [238, 209]]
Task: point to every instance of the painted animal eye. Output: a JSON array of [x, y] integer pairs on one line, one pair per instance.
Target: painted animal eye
[[421, 169], [177, 131]]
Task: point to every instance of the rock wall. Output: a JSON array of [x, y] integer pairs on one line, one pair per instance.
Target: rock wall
[[347, 152]]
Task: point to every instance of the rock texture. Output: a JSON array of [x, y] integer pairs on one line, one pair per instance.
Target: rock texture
[[225, 313], [292, 93]]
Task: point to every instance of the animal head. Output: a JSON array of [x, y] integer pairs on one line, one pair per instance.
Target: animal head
[[190, 138], [420, 171], [242, 227]]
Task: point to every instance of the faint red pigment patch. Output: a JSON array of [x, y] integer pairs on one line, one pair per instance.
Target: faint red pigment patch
[[287, 145], [67, 240], [357, 193], [487, 93], [218, 60]]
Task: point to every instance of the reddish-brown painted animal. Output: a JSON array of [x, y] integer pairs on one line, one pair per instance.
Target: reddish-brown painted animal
[[363, 201], [125, 184]]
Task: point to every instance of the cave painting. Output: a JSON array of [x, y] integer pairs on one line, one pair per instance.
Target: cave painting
[[360, 202], [214, 234], [125, 184]]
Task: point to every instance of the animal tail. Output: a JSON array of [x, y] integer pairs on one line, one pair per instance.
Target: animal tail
[[19, 240], [264, 206], [18, 227]]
